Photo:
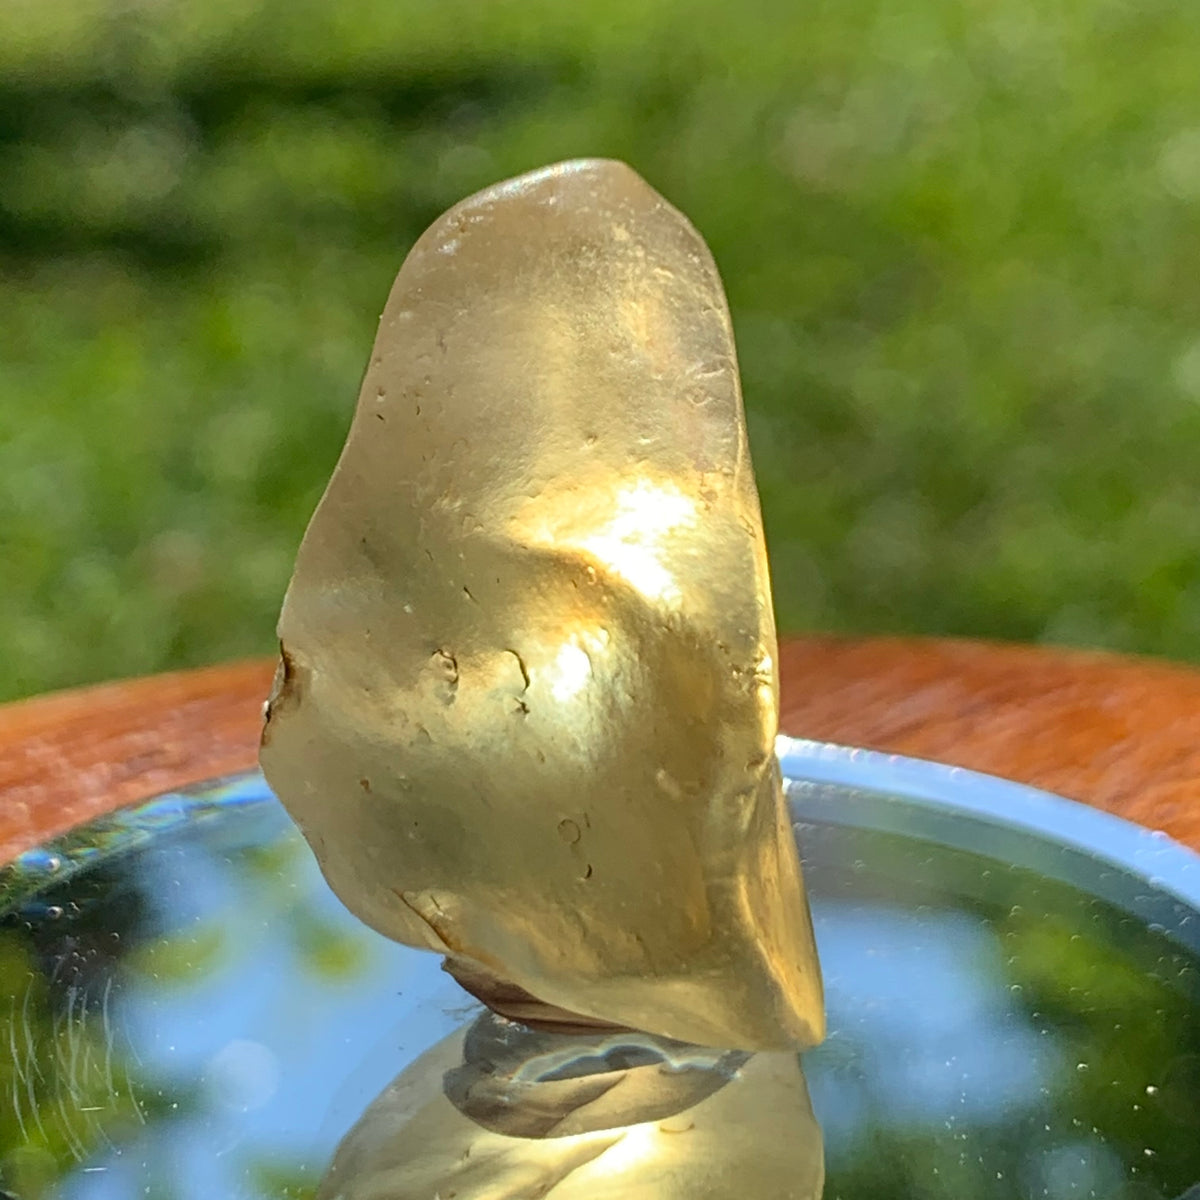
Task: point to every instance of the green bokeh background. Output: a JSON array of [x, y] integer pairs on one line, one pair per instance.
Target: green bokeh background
[[961, 241]]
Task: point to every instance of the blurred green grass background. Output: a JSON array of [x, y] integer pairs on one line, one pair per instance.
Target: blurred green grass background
[[960, 240]]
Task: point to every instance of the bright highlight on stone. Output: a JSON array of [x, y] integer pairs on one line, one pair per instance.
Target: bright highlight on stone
[[528, 699]]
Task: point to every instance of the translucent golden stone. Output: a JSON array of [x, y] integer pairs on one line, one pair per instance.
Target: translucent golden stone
[[501, 1113], [528, 697]]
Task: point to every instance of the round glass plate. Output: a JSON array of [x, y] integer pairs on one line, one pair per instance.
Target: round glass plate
[[1013, 986]]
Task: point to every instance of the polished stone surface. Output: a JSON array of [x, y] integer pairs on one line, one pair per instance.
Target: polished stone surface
[[528, 697]]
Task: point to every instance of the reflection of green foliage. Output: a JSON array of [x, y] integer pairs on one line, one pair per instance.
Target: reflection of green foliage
[[890, 1165], [1124, 1003], [64, 1087], [268, 862], [1102, 990], [183, 958], [333, 952], [278, 1181], [327, 950], [67, 1081]]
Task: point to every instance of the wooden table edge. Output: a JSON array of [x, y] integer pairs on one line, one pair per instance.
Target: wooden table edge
[[1119, 733]]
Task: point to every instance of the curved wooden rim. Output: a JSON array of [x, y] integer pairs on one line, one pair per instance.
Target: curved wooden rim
[[1118, 733]]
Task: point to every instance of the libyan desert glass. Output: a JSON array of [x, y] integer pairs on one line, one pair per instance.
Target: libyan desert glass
[[1013, 995], [531, 622]]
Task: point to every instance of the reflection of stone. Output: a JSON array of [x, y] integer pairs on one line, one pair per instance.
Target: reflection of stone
[[589, 1117], [523, 1083], [528, 698]]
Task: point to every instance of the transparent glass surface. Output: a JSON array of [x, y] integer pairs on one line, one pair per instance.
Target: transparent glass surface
[[1013, 986]]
